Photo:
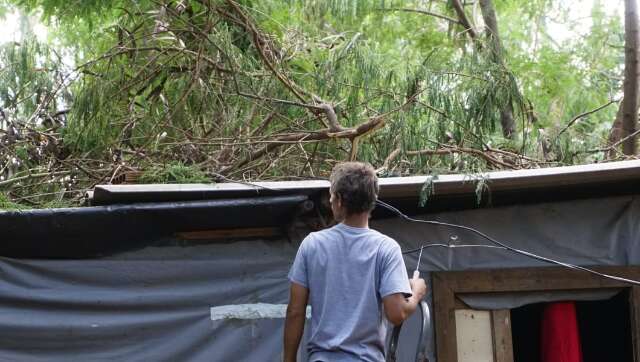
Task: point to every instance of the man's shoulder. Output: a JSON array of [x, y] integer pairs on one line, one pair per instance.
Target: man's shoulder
[[387, 243], [331, 232], [313, 237], [384, 238], [324, 233]]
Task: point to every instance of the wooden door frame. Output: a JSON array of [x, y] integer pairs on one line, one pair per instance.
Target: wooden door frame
[[447, 285]]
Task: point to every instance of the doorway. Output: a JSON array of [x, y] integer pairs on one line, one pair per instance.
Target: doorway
[[604, 327], [610, 329]]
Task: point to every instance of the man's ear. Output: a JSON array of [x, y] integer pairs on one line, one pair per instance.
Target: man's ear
[[338, 200]]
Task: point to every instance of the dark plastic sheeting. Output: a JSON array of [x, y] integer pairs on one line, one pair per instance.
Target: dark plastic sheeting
[[94, 231], [145, 309], [153, 304]]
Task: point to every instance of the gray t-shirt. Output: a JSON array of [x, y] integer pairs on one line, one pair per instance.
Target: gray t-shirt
[[348, 271]]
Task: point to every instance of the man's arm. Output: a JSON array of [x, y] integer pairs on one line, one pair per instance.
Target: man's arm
[[294, 323], [397, 308]]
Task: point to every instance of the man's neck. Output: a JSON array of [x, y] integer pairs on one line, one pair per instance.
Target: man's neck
[[357, 220]]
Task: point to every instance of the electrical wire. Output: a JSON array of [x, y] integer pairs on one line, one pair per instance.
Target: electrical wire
[[499, 245], [451, 246]]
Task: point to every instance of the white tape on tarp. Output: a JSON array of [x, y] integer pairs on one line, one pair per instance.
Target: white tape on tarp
[[251, 311]]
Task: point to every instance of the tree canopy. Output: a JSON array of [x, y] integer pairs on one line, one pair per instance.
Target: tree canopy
[[219, 90]]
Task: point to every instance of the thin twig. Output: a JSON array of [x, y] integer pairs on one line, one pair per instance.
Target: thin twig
[[33, 175], [282, 101], [612, 146], [581, 115], [424, 12], [454, 149]]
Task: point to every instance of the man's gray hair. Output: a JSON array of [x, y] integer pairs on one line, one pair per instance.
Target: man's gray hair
[[356, 184]]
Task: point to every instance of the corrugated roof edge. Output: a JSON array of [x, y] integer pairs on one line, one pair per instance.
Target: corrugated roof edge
[[390, 187]]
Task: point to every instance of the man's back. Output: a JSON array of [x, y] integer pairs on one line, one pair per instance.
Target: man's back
[[348, 271]]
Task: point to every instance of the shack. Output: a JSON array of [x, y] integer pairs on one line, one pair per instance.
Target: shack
[[198, 272]]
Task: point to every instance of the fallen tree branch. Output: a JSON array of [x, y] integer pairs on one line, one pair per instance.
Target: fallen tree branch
[[283, 101], [454, 149], [387, 161], [612, 146], [515, 155], [372, 124], [582, 115], [33, 175], [126, 50], [329, 111], [424, 12], [258, 42], [464, 21]]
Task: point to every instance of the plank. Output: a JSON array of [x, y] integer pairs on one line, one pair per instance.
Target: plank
[[502, 341], [445, 322], [230, 233], [535, 279]]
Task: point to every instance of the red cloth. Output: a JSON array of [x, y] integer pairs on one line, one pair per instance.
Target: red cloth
[[560, 339]]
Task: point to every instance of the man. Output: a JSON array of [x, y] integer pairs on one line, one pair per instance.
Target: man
[[347, 273]]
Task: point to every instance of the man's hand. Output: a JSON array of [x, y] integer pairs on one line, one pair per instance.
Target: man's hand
[[294, 324], [418, 287], [397, 308]]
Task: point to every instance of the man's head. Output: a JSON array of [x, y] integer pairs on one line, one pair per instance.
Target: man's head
[[354, 189]]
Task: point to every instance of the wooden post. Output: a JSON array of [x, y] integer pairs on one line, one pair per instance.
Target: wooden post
[[445, 320], [634, 309], [502, 342]]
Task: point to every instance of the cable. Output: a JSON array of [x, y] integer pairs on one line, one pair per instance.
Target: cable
[[501, 245], [451, 246], [481, 234]]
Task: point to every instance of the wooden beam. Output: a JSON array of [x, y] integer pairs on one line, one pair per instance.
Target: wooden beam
[[445, 320], [502, 341], [534, 279], [268, 232]]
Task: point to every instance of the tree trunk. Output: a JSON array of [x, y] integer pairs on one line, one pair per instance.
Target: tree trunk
[[507, 122], [615, 134], [491, 23], [495, 46], [631, 72]]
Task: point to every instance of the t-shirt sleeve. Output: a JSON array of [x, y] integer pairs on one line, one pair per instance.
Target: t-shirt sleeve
[[393, 278], [298, 271]]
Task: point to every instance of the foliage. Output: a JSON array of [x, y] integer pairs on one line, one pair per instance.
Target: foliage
[[427, 190], [174, 172], [7, 204], [182, 90]]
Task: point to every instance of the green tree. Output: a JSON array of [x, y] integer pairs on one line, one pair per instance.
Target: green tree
[[284, 89]]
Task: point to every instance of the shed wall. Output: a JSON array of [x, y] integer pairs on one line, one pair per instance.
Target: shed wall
[[154, 303]]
